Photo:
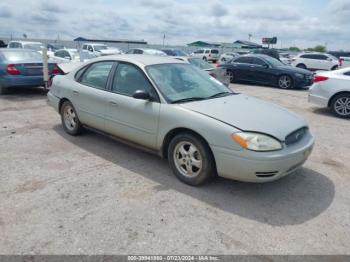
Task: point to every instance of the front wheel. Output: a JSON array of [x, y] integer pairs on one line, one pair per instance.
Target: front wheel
[[230, 75], [204, 58], [340, 105], [302, 66], [70, 120], [285, 82], [191, 159]]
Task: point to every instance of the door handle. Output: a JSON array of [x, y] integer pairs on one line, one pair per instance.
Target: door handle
[[75, 92], [113, 103]]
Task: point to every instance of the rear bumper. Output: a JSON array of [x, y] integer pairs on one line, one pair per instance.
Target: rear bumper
[[53, 101], [259, 167], [318, 96], [21, 81]]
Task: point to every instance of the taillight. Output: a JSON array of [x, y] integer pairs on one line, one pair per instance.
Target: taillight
[[56, 70], [320, 78], [12, 70]]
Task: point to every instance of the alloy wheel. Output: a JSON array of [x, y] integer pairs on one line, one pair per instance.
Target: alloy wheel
[[284, 82], [187, 159], [342, 106], [69, 117]]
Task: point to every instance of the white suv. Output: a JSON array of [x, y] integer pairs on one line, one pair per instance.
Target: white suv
[[207, 54], [316, 61]]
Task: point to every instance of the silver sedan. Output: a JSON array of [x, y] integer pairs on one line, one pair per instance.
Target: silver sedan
[[181, 113]]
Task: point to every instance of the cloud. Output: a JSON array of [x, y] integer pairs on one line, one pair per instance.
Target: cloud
[[298, 23]]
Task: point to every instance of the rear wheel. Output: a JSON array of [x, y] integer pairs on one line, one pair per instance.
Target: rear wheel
[[70, 120], [285, 82], [204, 58], [191, 159], [301, 66], [340, 105], [334, 68], [231, 75]]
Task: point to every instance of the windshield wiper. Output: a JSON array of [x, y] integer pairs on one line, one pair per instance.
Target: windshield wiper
[[220, 94], [188, 99]]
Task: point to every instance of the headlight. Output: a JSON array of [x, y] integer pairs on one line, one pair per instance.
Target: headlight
[[256, 141], [299, 75]]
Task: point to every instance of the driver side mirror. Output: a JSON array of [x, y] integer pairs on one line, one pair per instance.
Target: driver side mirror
[[143, 95]]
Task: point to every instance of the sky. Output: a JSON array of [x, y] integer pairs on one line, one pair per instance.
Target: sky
[[302, 23]]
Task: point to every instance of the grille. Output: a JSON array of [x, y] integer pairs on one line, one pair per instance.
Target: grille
[[295, 136]]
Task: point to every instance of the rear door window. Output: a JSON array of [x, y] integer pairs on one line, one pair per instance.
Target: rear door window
[[244, 60], [258, 61], [97, 75], [214, 51]]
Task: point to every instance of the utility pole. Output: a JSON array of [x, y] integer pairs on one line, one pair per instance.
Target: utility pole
[[250, 36], [163, 40]]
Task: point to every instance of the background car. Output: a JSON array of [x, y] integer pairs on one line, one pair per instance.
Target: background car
[[146, 51], [216, 72], [92, 50], [266, 70], [184, 115], [332, 90], [53, 47], [267, 51], [22, 68], [2, 44], [174, 52], [285, 58], [207, 54], [68, 55], [316, 61], [37, 46], [225, 57]]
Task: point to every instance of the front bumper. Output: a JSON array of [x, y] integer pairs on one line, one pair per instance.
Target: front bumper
[[303, 82], [249, 166]]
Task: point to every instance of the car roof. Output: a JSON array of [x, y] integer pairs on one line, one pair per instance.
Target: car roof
[[25, 42], [256, 55], [16, 50], [94, 44], [143, 60]]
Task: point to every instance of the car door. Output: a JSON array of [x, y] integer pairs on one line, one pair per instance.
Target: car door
[[260, 71], [133, 119], [241, 68], [89, 93]]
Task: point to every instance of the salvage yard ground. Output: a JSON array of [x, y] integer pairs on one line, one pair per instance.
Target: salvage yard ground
[[92, 195]]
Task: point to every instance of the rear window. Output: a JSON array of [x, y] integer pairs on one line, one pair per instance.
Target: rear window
[[213, 51], [14, 56]]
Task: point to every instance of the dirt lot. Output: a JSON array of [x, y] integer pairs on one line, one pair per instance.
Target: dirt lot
[[92, 195]]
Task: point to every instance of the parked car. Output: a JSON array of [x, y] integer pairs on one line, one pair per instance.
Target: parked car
[[264, 69], [22, 67], [207, 54], [53, 47], [225, 57], [316, 61], [67, 55], [267, 51], [92, 50], [345, 61], [332, 90], [174, 52], [37, 46], [2, 44], [144, 51], [179, 112], [285, 58], [216, 72]]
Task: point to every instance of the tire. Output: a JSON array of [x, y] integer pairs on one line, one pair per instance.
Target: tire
[[334, 68], [223, 59], [204, 58], [301, 66], [285, 82], [70, 120], [189, 152], [231, 75], [340, 105]]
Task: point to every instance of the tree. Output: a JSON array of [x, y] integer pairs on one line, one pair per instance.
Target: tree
[[318, 48], [294, 48]]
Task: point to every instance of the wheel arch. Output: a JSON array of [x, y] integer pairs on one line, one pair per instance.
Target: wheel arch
[[62, 100], [174, 132], [336, 94]]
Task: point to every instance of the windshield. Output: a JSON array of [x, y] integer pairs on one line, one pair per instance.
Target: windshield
[[100, 47], [273, 61], [200, 63], [36, 47], [24, 55], [183, 81]]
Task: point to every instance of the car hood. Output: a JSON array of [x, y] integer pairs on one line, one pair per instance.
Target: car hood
[[249, 114]]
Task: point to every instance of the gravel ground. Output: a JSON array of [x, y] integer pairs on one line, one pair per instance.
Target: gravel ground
[[93, 195]]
